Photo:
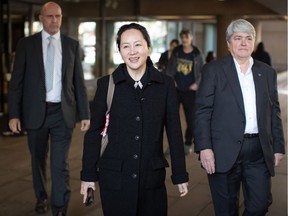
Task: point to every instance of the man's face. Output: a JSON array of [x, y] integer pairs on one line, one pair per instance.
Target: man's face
[[241, 45], [51, 18], [186, 39]]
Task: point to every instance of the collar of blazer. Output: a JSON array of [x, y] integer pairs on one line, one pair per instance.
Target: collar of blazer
[[232, 77], [261, 84], [155, 75]]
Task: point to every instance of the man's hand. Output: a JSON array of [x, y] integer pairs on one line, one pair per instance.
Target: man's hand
[[208, 160], [277, 158], [85, 124], [193, 87], [15, 125]]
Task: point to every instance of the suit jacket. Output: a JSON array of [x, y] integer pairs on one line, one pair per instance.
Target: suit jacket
[[27, 93], [220, 116]]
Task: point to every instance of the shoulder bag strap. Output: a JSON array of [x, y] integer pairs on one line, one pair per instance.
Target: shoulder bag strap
[[110, 93]]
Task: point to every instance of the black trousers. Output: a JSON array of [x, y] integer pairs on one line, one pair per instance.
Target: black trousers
[[187, 99], [60, 139], [250, 170]]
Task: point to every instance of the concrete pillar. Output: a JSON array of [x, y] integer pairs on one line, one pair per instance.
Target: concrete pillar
[[258, 28], [71, 27], [222, 23]]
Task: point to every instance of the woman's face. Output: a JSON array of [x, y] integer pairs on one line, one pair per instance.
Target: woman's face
[[134, 50]]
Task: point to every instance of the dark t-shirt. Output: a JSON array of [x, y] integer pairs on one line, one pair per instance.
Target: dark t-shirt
[[184, 76]]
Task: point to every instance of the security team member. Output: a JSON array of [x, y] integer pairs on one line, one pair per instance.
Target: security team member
[[46, 89], [238, 128]]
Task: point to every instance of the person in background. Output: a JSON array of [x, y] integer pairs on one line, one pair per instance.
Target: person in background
[[46, 104], [261, 54], [238, 132], [131, 172], [162, 65], [210, 57], [185, 67], [165, 56]]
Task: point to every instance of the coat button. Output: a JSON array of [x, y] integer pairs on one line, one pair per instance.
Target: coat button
[[239, 142], [134, 176], [137, 118], [136, 137], [135, 156]]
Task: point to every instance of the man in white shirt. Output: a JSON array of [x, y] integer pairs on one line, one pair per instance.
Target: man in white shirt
[[238, 129], [46, 91]]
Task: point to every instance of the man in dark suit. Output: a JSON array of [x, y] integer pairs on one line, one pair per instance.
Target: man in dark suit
[[48, 109], [238, 129]]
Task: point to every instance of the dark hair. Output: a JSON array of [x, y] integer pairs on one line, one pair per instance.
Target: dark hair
[[174, 41], [185, 32], [210, 56], [260, 47], [136, 26]]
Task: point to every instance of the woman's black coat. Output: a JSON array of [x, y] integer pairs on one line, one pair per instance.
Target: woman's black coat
[[131, 172]]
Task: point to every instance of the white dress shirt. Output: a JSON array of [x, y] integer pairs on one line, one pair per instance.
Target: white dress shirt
[[249, 97], [55, 94]]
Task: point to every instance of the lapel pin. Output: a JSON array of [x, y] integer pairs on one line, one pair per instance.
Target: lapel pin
[[259, 74]]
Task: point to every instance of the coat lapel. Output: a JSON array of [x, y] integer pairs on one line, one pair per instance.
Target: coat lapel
[[258, 78], [64, 55], [232, 77], [39, 54]]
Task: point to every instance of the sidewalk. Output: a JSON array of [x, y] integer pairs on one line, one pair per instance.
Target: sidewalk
[[17, 196], [18, 199]]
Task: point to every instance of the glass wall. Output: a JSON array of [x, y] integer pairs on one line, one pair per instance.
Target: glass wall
[[87, 40], [161, 33]]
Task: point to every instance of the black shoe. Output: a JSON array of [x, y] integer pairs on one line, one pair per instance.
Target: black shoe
[[60, 214], [41, 206]]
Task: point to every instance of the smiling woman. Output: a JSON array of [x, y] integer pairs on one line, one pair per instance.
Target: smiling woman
[[132, 170], [134, 51]]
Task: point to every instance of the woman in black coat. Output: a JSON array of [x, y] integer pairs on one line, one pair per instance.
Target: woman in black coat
[[131, 172]]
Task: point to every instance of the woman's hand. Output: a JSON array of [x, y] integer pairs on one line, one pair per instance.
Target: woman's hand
[[183, 189], [84, 187]]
